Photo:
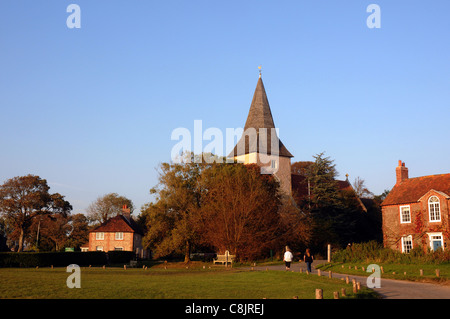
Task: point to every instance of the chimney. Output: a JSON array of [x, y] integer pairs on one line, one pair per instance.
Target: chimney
[[401, 172], [126, 212]]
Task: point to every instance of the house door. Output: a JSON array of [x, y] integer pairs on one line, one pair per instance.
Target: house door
[[436, 244]]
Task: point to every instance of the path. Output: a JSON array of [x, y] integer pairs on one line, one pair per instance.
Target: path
[[390, 288]]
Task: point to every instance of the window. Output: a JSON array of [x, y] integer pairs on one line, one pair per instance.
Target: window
[[405, 214], [434, 209], [273, 164], [407, 244], [99, 248], [99, 236], [119, 236], [118, 248]]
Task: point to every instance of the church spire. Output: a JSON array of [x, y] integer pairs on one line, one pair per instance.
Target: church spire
[[259, 117]]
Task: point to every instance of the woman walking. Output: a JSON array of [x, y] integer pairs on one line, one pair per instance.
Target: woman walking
[[288, 256], [308, 259]]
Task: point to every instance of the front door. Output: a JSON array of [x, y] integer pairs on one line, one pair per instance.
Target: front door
[[436, 245]]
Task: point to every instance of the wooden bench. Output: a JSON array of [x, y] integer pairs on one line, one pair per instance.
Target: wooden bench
[[227, 258]]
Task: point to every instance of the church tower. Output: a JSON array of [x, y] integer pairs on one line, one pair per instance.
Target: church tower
[[260, 144]]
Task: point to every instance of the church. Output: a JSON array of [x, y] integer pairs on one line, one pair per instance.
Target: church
[[260, 144]]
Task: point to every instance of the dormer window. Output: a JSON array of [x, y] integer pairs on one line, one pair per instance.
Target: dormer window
[[434, 209]]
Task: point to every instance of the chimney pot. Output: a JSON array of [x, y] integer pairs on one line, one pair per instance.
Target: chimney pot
[[401, 172]]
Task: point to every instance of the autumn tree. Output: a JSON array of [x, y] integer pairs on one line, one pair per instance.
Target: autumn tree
[[107, 206], [24, 198], [361, 190], [240, 209], [172, 221]]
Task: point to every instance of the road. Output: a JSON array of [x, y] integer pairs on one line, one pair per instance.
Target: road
[[390, 288]]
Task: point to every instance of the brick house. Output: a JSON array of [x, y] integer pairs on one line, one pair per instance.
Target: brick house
[[416, 212], [120, 233]]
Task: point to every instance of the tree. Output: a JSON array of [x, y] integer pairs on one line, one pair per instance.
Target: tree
[[23, 198], [360, 188], [107, 206], [240, 209], [172, 221]]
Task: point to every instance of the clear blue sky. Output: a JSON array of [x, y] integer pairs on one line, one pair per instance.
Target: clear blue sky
[[92, 109]]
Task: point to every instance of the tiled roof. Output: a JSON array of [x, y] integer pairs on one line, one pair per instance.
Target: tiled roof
[[259, 117], [412, 189], [118, 224]]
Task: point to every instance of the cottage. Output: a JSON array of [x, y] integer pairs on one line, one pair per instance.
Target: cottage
[[120, 233], [416, 212]]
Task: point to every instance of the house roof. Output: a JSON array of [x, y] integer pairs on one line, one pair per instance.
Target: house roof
[[412, 189], [259, 117], [118, 224]]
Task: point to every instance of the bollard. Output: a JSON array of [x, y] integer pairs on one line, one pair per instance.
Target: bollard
[[421, 272], [319, 294], [318, 272], [295, 297], [124, 267], [363, 269], [335, 295], [330, 274], [382, 270], [343, 292], [346, 280], [358, 286], [437, 272]]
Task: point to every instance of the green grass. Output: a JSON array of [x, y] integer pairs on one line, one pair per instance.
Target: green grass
[[157, 283], [412, 271]]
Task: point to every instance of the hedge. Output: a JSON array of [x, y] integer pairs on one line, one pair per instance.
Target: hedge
[[63, 259]]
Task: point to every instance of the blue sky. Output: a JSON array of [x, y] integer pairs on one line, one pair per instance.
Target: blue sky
[[92, 109]]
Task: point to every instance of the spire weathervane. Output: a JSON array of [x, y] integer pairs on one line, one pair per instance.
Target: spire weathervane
[[259, 67]]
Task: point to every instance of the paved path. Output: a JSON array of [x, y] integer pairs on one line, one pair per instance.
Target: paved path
[[390, 288]]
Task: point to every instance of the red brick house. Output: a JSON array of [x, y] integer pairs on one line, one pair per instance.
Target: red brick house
[[416, 212], [120, 233]]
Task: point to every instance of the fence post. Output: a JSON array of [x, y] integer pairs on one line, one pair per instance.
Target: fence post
[[330, 274], [336, 295], [421, 272], [318, 272], [319, 294], [329, 253], [343, 292], [437, 272]]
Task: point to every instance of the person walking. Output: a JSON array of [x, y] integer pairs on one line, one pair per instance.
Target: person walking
[[308, 259], [288, 257]]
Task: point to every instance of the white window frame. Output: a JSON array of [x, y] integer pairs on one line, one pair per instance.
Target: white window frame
[[404, 239], [401, 214], [118, 236], [99, 248], [99, 236], [434, 205]]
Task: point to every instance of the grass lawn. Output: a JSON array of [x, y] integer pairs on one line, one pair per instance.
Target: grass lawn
[[172, 283], [412, 271]]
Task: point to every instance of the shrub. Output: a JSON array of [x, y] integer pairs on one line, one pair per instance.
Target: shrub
[[57, 259], [373, 251]]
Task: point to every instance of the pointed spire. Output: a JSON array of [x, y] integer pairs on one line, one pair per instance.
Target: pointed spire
[[259, 116]]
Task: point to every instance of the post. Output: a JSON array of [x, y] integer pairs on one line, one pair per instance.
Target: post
[[336, 295], [346, 280], [421, 272], [343, 292], [318, 272], [319, 294], [330, 275], [329, 253], [437, 272], [358, 285]]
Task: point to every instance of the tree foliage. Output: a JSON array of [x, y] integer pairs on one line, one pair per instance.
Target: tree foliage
[[24, 198], [107, 206]]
